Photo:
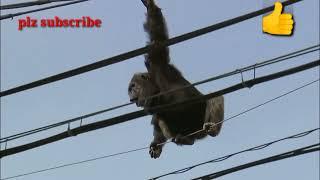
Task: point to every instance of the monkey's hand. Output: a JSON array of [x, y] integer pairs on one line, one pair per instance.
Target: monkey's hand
[[148, 3], [210, 128], [183, 140], [155, 150], [214, 116]]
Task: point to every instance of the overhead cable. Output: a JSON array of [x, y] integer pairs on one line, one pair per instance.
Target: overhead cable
[[256, 148], [235, 72], [10, 16], [28, 4], [133, 115], [140, 51], [296, 152]]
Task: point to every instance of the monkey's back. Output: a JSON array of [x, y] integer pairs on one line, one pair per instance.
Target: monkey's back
[[184, 120]]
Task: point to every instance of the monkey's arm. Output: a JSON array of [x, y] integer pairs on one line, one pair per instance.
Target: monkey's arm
[[157, 60], [214, 116], [156, 28], [155, 24]]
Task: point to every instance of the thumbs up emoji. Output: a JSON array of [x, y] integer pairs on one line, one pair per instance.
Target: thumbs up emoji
[[277, 23]]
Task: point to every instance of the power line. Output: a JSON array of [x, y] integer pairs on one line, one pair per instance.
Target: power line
[[223, 158], [237, 71], [28, 4], [37, 130], [256, 148], [8, 16], [255, 107], [296, 152], [139, 51], [243, 84], [271, 100], [129, 116], [75, 163]]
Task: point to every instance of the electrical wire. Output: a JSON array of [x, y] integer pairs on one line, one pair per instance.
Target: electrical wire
[[140, 51], [281, 58], [75, 163], [296, 152], [256, 148], [223, 158], [161, 108], [250, 109], [270, 159], [37, 130], [28, 4], [10, 16]]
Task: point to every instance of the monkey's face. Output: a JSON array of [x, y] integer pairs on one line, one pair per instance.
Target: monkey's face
[[141, 87]]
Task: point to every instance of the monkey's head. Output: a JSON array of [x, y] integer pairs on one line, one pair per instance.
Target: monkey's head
[[140, 87]]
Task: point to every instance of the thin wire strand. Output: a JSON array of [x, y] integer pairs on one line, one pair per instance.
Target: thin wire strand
[[299, 135], [10, 16], [250, 109], [140, 51], [23, 134], [223, 158], [235, 72], [28, 4], [156, 109], [248, 68], [76, 163], [293, 153]]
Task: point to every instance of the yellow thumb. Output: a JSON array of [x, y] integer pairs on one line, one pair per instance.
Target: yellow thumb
[[277, 9]]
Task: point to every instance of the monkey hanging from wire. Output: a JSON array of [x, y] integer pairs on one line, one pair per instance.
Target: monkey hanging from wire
[[179, 122]]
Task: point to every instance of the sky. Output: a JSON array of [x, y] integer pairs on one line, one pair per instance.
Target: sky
[[35, 53]]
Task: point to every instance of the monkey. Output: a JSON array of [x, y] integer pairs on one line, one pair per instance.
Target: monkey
[[178, 123]]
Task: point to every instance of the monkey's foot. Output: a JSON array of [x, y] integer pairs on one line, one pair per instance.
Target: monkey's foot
[[181, 140], [155, 150], [210, 128]]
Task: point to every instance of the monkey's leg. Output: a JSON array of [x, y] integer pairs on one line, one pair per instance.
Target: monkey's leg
[[158, 140], [214, 116]]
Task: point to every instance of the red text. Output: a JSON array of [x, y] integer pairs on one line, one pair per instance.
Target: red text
[[57, 22]]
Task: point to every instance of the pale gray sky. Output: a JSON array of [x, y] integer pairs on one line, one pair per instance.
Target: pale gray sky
[[36, 53]]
